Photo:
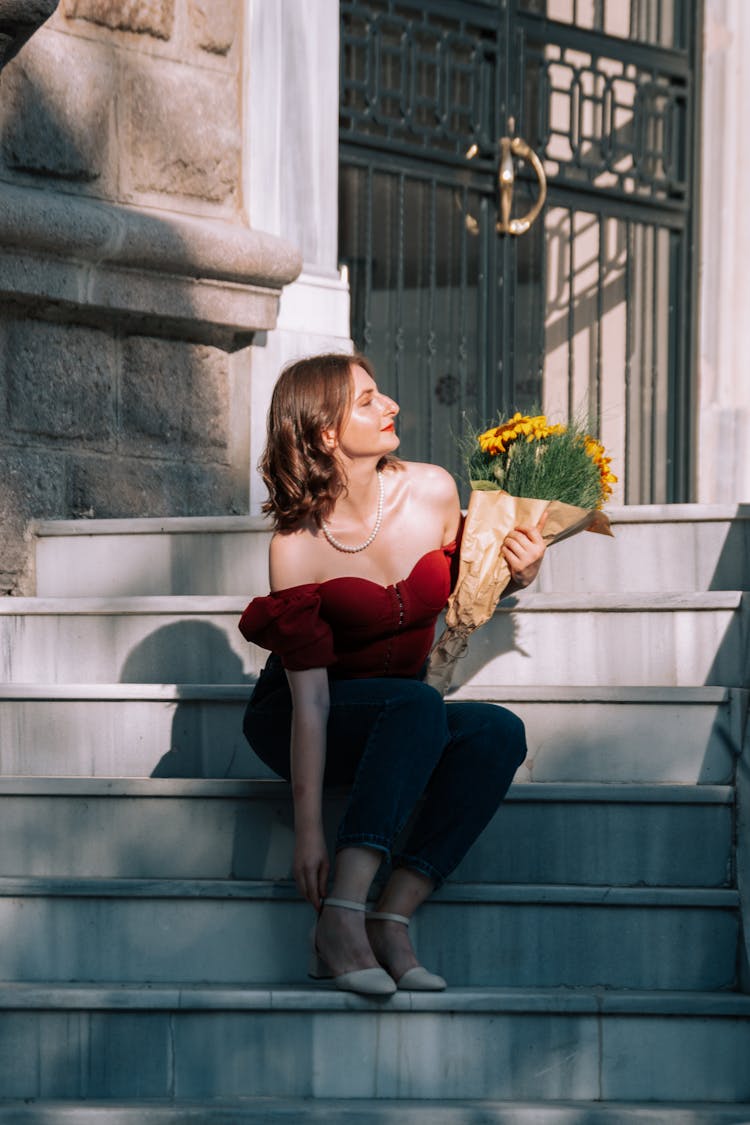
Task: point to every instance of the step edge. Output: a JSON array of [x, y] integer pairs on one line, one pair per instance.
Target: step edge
[[698, 694], [169, 525], [730, 1112], [273, 998], [220, 604], [364, 1111], [261, 890], [631, 793], [154, 525]]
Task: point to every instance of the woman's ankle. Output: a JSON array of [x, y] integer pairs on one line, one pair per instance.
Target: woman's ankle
[[342, 941]]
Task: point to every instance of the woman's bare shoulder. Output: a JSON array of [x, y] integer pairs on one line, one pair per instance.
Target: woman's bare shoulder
[[435, 489], [432, 481], [289, 558]]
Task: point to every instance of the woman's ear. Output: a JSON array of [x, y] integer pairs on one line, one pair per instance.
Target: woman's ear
[[330, 441]]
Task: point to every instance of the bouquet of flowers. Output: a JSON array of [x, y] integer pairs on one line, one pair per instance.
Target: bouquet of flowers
[[518, 470]]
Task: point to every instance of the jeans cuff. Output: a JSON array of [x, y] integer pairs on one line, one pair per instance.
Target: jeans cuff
[[416, 863], [364, 840]]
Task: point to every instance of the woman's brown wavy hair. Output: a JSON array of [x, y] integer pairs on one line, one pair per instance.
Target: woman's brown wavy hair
[[303, 477]]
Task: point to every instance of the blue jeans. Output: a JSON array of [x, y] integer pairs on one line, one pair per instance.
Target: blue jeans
[[395, 741]]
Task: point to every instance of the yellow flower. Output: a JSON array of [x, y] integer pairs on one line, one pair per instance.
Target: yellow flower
[[595, 450], [515, 471], [533, 428]]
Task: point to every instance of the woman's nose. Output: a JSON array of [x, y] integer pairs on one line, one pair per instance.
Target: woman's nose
[[390, 407]]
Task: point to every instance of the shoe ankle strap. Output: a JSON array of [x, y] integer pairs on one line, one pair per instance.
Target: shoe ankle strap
[[345, 904], [381, 916]]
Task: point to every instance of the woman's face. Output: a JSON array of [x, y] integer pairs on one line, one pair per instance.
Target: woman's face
[[369, 428]]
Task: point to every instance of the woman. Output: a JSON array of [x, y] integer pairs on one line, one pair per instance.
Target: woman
[[360, 568]]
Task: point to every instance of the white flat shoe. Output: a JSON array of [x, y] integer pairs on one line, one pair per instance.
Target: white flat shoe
[[417, 979], [368, 982]]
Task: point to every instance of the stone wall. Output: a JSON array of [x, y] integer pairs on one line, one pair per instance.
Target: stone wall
[[131, 285], [137, 101]]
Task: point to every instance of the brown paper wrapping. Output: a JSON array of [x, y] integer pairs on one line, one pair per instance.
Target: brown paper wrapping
[[483, 573]]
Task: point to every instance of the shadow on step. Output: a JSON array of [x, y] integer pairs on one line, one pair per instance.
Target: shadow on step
[[206, 740], [732, 570]]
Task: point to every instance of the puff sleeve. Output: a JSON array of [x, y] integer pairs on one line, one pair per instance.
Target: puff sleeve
[[288, 622]]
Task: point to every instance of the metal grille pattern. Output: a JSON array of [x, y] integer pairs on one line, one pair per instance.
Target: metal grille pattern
[[660, 23], [420, 309], [416, 78], [599, 119], [608, 284], [586, 314]]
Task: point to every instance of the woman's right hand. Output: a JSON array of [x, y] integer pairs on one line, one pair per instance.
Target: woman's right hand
[[311, 864]]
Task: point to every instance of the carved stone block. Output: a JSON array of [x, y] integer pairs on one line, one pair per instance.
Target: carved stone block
[[182, 137], [118, 486], [58, 94], [60, 381], [32, 486], [152, 17], [175, 398], [215, 25]]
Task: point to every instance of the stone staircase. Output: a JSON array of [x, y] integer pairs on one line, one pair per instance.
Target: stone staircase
[[153, 948]]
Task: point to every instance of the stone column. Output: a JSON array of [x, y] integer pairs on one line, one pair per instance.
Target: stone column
[[291, 184], [131, 284], [723, 403]]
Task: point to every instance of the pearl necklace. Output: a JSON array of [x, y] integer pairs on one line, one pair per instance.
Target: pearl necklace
[[378, 521]]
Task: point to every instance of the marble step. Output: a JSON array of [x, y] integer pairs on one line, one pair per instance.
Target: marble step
[[674, 548], [584, 834], [612, 639], [605, 639], [198, 1043], [620, 734], [368, 1111], [231, 931]]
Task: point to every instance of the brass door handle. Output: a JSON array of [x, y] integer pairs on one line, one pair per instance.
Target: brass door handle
[[510, 147]]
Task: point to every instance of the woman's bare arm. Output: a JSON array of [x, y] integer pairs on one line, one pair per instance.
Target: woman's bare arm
[[310, 706]]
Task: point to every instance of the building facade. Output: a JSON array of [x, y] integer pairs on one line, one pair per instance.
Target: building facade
[[182, 214]]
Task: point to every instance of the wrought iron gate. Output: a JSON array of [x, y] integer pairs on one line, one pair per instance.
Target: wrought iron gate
[[590, 311]]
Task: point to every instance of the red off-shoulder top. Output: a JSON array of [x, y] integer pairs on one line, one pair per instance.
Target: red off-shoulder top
[[352, 626]]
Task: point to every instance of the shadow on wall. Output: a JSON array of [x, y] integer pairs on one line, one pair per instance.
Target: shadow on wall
[[732, 571], [496, 637], [212, 688]]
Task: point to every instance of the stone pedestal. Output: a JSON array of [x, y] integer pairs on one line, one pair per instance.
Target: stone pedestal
[[166, 274]]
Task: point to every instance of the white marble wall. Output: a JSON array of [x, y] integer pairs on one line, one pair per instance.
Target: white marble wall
[[290, 178], [291, 170], [723, 424], [313, 318]]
